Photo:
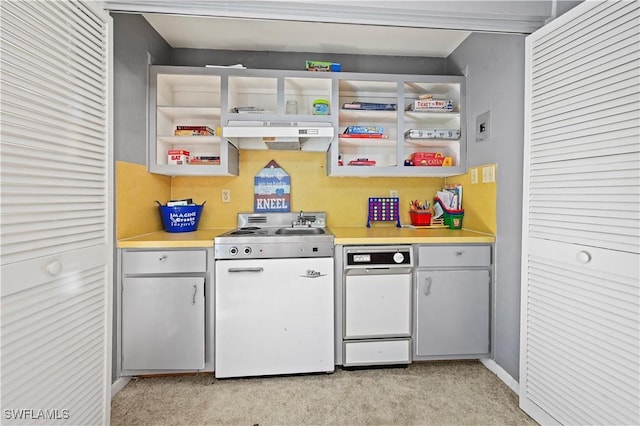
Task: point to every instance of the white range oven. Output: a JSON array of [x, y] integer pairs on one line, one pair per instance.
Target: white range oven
[[274, 296], [377, 305]]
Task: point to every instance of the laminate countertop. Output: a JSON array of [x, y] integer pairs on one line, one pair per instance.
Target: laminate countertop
[[342, 236]]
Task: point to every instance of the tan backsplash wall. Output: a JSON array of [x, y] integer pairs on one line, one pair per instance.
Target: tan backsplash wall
[[479, 201], [344, 199], [136, 193]]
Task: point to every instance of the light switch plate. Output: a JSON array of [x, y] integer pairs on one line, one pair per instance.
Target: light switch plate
[[483, 127], [474, 175], [488, 174]]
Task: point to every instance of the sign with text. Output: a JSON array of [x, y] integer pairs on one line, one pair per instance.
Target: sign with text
[[271, 190]]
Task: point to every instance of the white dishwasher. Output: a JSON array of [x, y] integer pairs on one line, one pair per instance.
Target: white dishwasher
[[377, 305]]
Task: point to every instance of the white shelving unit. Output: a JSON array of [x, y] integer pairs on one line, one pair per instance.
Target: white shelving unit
[[182, 96], [390, 152], [207, 96]]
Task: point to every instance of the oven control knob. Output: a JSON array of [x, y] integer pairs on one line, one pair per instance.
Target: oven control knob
[[233, 251], [398, 257], [247, 250]]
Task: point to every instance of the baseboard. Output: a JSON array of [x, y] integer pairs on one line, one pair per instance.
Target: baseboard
[[118, 385], [502, 374]]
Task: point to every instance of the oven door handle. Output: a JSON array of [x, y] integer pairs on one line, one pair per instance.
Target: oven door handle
[[260, 269]]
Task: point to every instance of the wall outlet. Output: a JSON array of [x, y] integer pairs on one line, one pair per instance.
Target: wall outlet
[[474, 176], [226, 195], [393, 193], [488, 174]]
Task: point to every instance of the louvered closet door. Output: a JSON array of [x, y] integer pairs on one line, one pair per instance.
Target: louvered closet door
[[580, 323], [56, 196]]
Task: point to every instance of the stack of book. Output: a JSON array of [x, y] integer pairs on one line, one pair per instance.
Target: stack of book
[[193, 131], [369, 106], [249, 110], [376, 132], [210, 160]]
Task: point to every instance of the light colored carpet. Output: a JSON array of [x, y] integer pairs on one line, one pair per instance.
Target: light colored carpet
[[424, 393]]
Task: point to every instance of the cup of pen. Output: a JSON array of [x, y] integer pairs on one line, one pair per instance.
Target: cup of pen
[[420, 215]]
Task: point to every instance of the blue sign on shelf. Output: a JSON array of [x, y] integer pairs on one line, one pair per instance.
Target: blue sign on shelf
[[272, 190]]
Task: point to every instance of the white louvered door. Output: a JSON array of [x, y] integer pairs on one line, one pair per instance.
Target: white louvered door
[[580, 313], [56, 231]]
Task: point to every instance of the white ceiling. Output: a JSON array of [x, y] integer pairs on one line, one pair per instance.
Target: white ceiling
[[295, 36]]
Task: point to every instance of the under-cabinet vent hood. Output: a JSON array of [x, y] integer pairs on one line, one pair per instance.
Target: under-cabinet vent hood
[[280, 135]]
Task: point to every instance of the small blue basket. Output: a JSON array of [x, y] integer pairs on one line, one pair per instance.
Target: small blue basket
[[181, 218]]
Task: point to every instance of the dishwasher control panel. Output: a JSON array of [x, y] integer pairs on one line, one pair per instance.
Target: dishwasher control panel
[[381, 256]]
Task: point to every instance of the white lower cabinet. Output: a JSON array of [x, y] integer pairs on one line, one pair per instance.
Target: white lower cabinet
[[165, 311], [163, 323], [452, 302], [452, 309]]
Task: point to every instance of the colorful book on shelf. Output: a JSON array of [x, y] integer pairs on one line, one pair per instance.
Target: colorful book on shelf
[[363, 136], [207, 128], [369, 106], [362, 162], [206, 159], [423, 105], [363, 130], [193, 131]]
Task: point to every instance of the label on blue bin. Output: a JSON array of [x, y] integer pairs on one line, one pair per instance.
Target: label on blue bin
[[179, 220]]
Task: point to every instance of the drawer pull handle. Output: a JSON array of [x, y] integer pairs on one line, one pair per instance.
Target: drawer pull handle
[[245, 269], [195, 291], [459, 253], [163, 258], [427, 287], [583, 257]]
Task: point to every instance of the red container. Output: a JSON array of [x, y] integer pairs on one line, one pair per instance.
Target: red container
[[420, 217]]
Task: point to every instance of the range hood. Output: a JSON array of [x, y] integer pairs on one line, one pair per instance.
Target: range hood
[[282, 135]]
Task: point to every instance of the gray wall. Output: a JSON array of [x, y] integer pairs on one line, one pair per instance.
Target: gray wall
[[296, 61], [495, 83], [134, 40]]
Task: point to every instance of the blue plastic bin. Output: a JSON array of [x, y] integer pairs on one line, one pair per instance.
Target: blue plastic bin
[[180, 218]]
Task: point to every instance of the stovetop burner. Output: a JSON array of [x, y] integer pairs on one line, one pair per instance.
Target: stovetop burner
[[245, 231], [270, 235]]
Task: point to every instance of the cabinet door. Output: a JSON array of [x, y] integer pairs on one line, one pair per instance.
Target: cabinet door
[[580, 305], [163, 323], [377, 305], [452, 312]]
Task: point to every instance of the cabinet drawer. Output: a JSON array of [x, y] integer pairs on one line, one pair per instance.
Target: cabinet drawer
[[164, 261], [460, 255], [377, 352]]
